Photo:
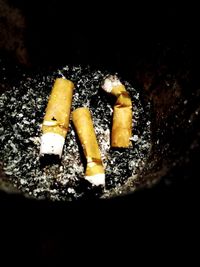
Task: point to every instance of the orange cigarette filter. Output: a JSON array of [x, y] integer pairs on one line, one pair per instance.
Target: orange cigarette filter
[[82, 121], [56, 120], [122, 114]]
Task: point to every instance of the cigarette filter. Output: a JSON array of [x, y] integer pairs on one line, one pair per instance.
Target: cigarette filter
[[56, 120], [122, 115], [84, 127]]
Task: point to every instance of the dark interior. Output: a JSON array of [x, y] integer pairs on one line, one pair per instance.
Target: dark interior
[[155, 46]]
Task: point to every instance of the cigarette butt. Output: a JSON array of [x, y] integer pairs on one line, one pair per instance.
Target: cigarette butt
[[122, 115], [84, 127], [56, 120]]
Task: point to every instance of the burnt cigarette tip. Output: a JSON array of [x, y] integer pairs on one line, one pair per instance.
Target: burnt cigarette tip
[[51, 143], [109, 82], [97, 179]]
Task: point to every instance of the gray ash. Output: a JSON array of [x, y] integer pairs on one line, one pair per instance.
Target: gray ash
[[22, 109]]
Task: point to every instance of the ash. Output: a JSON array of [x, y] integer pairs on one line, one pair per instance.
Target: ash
[[22, 110]]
